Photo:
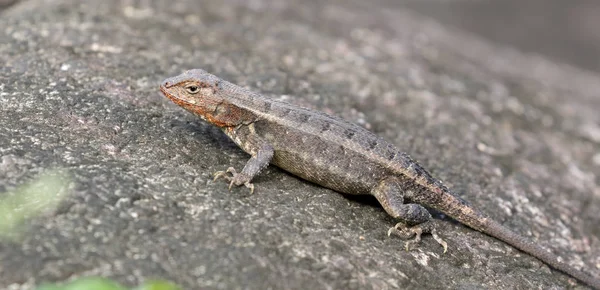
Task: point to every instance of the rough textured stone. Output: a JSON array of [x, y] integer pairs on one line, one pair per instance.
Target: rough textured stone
[[517, 135]]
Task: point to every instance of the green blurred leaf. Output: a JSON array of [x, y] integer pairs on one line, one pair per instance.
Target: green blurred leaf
[[94, 283], [158, 285], [87, 283], [97, 283], [29, 200], [49, 287]]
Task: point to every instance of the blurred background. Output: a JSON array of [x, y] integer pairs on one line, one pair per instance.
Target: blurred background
[[565, 31]]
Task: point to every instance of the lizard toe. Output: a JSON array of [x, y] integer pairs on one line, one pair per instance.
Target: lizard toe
[[221, 174], [250, 186], [401, 230], [404, 232], [225, 174], [440, 241]]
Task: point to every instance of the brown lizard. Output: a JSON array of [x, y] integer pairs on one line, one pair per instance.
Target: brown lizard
[[336, 154]]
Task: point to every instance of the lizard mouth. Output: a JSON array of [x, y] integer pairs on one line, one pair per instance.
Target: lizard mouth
[[173, 98], [176, 100], [164, 91]]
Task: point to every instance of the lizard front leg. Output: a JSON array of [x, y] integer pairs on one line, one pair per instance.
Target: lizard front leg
[[261, 157], [391, 196]]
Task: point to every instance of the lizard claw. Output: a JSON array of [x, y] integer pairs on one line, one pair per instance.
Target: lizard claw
[[405, 232], [251, 186], [440, 241], [223, 174], [235, 178], [400, 229]]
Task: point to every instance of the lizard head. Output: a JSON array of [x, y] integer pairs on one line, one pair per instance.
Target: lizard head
[[192, 87], [202, 94], [195, 90]]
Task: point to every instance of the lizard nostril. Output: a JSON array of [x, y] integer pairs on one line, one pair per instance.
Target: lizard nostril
[[166, 84]]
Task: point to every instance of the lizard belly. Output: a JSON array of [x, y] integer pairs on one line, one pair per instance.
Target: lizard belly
[[339, 176], [324, 162]]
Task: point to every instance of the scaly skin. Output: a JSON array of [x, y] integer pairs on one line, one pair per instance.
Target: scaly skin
[[335, 154]]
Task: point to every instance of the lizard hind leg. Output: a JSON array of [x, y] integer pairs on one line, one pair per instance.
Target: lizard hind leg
[[416, 220]]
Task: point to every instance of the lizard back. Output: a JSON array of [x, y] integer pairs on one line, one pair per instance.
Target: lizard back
[[322, 148]]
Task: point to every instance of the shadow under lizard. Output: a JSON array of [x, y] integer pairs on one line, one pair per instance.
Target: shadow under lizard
[[336, 154]]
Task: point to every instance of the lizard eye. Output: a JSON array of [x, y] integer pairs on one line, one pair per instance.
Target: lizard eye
[[192, 89]]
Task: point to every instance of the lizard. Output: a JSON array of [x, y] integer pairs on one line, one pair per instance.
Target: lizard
[[340, 155]]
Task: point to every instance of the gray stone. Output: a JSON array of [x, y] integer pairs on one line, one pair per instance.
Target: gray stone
[[518, 136]]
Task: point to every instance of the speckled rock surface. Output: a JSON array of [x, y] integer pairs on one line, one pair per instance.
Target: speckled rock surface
[[516, 135]]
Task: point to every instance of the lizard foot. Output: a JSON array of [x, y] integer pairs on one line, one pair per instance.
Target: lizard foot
[[405, 232], [236, 178]]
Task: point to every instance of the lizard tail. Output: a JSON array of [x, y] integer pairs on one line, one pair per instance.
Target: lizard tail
[[502, 233], [460, 210]]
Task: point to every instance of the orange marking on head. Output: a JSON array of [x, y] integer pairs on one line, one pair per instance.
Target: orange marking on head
[[214, 110]]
